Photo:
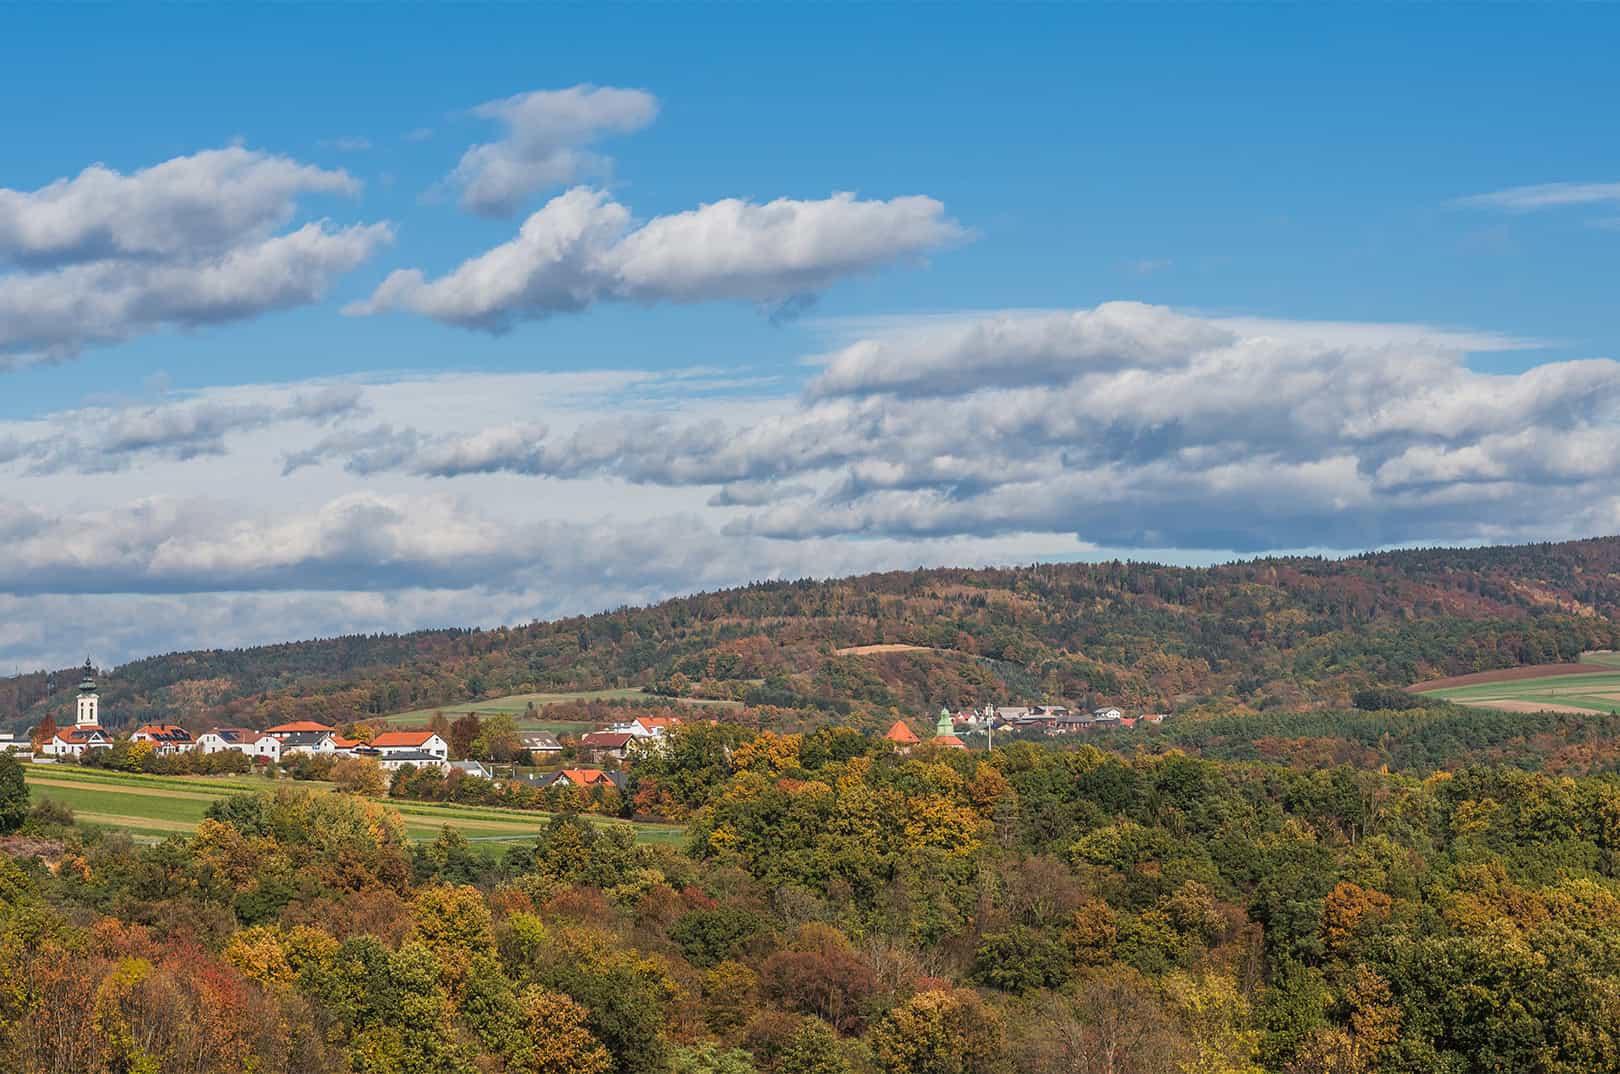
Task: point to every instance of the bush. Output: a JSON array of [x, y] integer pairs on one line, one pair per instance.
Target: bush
[[1387, 698], [709, 937], [13, 794], [1021, 959]]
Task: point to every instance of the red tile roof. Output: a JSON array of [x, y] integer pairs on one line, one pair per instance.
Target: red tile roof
[[398, 739], [585, 777], [164, 730], [79, 734], [949, 741], [296, 726], [901, 733]]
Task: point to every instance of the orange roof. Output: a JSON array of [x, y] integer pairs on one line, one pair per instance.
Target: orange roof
[[901, 733], [394, 739], [650, 722], [950, 741], [295, 727], [162, 729], [80, 734], [585, 777], [341, 743]]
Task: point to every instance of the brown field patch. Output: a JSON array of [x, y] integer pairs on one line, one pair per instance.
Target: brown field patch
[[1513, 705], [1528, 671], [867, 650]]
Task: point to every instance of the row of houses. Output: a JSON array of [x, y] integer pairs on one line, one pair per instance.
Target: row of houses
[[1052, 719]]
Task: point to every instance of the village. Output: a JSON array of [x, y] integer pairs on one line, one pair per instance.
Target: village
[[598, 758]]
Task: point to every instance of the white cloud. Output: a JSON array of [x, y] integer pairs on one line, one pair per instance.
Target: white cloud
[[193, 241], [52, 315], [545, 144], [1545, 196], [107, 439], [581, 248], [208, 201]]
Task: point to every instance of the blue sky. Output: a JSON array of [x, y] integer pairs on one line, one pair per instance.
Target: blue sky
[[1241, 175]]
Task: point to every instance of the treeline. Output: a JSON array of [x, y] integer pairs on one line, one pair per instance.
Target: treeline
[[1275, 634], [839, 908]]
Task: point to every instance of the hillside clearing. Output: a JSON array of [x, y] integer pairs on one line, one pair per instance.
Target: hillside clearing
[[517, 705], [1590, 686]]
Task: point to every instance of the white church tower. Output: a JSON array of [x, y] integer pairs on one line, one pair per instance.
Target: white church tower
[[89, 714]]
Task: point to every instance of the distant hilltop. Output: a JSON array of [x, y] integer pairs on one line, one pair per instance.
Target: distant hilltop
[[1277, 633]]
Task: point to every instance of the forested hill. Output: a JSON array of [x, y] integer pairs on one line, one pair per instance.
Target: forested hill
[[1268, 634]]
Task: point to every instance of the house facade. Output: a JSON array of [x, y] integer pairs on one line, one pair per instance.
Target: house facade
[[166, 738], [256, 745], [391, 743], [606, 745]]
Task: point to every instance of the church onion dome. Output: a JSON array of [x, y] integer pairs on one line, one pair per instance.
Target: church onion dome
[[87, 685]]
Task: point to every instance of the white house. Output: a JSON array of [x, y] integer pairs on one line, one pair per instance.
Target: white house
[[166, 738], [255, 744], [392, 743], [646, 726], [317, 743], [396, 759], [1107, 712]]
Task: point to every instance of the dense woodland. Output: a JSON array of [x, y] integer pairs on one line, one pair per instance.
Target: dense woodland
[[1264, 635], [840, 908]]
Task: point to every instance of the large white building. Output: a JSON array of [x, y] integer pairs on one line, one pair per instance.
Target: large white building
[[86, 733]]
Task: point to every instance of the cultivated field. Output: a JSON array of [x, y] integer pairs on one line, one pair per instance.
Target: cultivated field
[[1591, 686], [158, 806], [518, 705]]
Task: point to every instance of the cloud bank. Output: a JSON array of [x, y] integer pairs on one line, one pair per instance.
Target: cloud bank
[[1125, 425]]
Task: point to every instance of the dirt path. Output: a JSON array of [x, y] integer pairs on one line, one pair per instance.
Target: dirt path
[[1515, 705], [120, 820], [868, 650]]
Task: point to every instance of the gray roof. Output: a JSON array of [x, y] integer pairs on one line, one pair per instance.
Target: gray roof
[[304, 738], [414, 757], [541, 740]]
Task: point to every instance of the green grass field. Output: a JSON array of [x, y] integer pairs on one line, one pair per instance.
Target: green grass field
[[518, 705], [1595, 692], [159, 806]]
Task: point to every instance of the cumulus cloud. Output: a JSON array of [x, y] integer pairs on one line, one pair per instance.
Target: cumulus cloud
[[1128, 426], [193, 241], [1545, 196], [582, 248], [547, 133]]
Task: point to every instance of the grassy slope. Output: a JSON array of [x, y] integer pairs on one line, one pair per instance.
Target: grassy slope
[[1574, 691], [160, 805], [518, 704]]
